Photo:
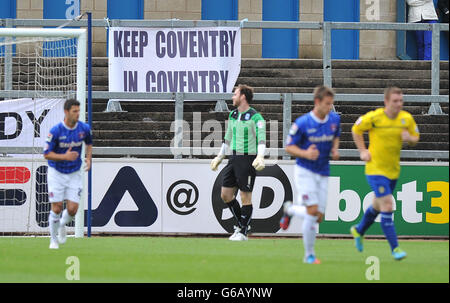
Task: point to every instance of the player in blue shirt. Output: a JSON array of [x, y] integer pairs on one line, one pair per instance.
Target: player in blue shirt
[[64, 177], [312, 138]]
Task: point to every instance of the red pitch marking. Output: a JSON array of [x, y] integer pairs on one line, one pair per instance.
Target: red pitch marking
[[14, 174]]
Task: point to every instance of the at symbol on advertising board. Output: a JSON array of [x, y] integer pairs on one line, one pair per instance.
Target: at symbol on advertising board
[[182, 196]]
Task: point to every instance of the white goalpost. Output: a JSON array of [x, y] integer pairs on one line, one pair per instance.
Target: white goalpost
[[39, 69]]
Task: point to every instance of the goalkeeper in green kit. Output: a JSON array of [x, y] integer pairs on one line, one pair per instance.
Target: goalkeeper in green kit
[[246, 136]]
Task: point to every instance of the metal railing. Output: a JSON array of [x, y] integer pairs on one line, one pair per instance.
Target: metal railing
[[178, 151], [286, 99]]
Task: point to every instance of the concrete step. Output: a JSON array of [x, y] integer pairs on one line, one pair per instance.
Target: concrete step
[[309, 89], [164, 126], [101, 82], [271, 135], [151, 106], [166, 143], [131, 143], [339, 82], [206, 105], [341, 64], [343, 90], [420, 119], [264, 109], [131, 125], [167, 135], [169, 116], [99, 88], [424, 129], [340, 73], [99, 61]]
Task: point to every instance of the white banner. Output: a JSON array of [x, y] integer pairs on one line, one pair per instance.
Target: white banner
[[183, 196], [174, 59], [147, 196], [192, 203], [26, 122], [126, 197]]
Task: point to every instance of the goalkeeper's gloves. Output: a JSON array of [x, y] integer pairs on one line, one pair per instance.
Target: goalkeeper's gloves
[[216, 161], [258, 163]]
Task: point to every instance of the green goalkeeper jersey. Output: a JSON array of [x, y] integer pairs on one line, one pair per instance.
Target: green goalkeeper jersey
[[245, 131]]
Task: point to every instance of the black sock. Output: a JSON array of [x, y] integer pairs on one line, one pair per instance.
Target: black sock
[[246, 217], [235, 208]]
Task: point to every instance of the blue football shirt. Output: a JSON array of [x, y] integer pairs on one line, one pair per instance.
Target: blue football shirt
[[61, 137], [308, 130]]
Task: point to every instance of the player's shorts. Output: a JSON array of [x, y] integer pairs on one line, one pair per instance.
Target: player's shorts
[[240, 173], [64, 186], [381, 185], [312, 188]]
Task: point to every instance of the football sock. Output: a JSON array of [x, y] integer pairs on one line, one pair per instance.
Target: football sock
[[66, 218], [246, 217], [297, 210], [387, 225], [369, 217], [235, 209], [309, 234], [53, 222]]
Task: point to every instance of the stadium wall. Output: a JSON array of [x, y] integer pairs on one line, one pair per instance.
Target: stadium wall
[[373, 44], [183, 196]]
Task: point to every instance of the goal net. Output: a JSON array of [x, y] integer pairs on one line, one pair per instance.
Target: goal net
[[40, 69]]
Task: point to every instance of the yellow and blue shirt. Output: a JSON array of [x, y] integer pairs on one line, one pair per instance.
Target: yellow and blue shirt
[[385, 141]]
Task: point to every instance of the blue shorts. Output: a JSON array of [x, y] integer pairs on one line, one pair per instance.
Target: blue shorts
[[381, 185]]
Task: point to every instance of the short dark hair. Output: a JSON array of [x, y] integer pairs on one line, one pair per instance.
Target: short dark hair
[[323, 91], [247, 91], [388, 91], [69, 103]]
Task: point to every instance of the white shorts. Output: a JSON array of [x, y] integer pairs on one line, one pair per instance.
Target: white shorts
[[64, 186], [312, 188]]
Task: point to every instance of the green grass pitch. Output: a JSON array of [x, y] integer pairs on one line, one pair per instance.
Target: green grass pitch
[[209, 260]]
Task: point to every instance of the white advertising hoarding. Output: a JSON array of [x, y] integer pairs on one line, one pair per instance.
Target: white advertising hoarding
[[183, 196], [151, 196]]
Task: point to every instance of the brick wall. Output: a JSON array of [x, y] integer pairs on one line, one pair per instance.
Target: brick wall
[[29, 9], [378, 44], [310, 40], [251, 39], [373, 44], [169, 9], [153, 9], [98, 9]]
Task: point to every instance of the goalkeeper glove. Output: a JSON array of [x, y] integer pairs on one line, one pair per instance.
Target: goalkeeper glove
[[216, 161], [258, 163]]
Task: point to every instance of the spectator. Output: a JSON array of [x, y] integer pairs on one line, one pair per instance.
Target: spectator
[[443, 12], [422, 11]]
